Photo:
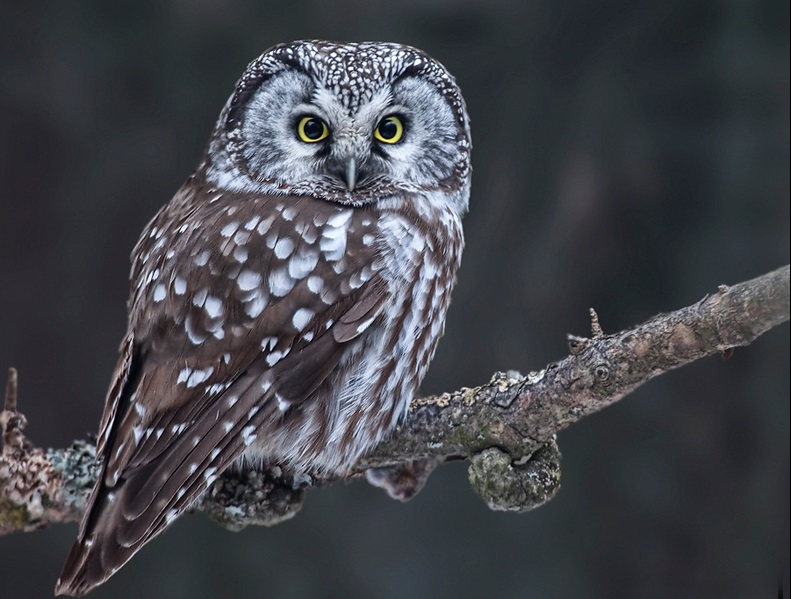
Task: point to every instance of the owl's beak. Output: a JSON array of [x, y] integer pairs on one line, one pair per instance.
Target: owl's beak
[[351, 173]]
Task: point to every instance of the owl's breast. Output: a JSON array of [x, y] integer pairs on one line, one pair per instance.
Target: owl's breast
[[420, 248]]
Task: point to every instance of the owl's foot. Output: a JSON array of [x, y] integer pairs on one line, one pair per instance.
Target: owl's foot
[[403, 481]]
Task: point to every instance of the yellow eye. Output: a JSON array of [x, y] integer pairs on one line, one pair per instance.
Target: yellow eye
[[311, 129], [390, 130]]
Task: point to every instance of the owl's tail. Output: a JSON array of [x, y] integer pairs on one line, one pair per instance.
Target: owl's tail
[[125, 514], [95, 555], [112, 532]]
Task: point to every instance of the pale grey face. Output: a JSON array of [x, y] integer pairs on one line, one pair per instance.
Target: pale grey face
[[345, 122]]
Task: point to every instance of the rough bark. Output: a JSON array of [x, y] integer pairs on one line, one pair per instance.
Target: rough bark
[[505, 427]]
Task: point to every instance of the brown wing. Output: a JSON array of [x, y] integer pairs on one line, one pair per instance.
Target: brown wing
[[235, 299]]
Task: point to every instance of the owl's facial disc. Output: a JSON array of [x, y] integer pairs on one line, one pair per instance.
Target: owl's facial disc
[[308, 137]]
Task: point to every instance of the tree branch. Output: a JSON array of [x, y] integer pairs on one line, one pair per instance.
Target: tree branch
[[505, 427]]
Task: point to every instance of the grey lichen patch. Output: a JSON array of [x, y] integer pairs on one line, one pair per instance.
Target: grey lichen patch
[[511, 486], [77, 464], [78, 468]]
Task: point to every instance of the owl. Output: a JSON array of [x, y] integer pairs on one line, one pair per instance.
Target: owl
[[286, 303]]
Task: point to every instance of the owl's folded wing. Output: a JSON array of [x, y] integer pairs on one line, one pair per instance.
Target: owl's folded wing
[[157, 463], [197, 382]]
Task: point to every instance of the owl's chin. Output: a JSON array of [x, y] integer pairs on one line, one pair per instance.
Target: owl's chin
[[366, 192]]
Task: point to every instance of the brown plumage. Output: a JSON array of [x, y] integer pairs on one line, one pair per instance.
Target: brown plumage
[[273, 323]]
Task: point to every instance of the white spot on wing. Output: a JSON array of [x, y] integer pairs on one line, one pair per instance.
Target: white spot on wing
[[339, 219], [213, 306], [194, 336], [199, 298], [365, 324], [179, 286], [315, 284], [280, 283], [248, 280], [284, 247], [138, 433], [202, 259], [229, 229], [264, 225], [159, 292], [198, 376], [240, 254], [248, 434], [217, 388], [302, 264], [282, 403], [333, 243], [254, 307], [301, 318], [184, 374], [274, 357]]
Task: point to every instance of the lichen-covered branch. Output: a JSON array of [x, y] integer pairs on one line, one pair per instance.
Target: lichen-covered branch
[[505, 427]]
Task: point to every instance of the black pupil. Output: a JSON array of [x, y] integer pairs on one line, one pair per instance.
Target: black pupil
[[313, 129], [388, 129]]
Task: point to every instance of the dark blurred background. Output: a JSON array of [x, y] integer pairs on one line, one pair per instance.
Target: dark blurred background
[[629, 156]]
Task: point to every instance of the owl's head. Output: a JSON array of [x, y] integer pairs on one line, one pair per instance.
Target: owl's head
[[352, 123]]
